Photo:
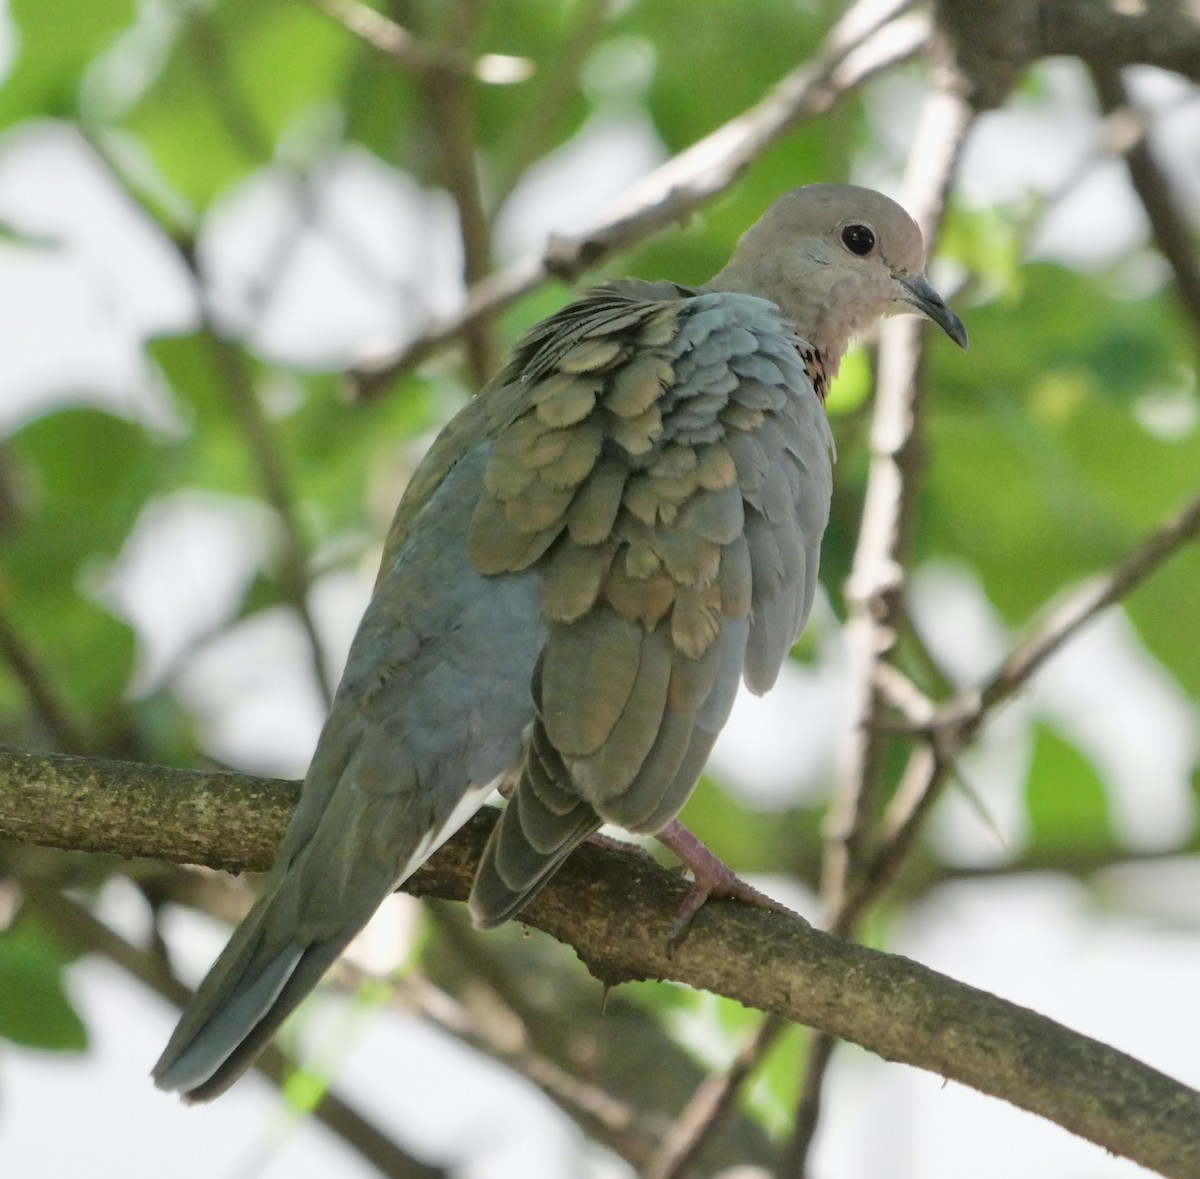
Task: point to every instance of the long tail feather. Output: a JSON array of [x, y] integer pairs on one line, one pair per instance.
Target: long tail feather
[[253, 987]]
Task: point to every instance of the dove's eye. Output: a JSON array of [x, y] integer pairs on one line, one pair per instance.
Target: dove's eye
[[858, 239]]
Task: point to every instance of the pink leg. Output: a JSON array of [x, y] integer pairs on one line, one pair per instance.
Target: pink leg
[[714, 878]]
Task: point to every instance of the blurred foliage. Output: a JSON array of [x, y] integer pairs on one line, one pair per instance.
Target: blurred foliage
[[35, 1009], [1046, 460]]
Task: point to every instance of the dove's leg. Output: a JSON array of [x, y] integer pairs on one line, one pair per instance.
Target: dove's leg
[[713, 878]]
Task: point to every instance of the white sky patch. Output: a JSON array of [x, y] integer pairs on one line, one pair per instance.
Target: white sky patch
[[1133, 721], [356, 261], [1103, 693], [565, 191], [777, 750], [181, 573], [80, 298], [252, 689], [254, 697]]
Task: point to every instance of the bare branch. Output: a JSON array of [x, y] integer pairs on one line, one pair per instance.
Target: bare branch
[[615, 909], [447, 98], [239, 389], [247, 411], [995, 41], [711, 1104], [85, 932], [421, 57], [606, 1118], [877, 577], [1066, 620], [808, 1107], [1172, 234], [850, 56], [956, 723], [51, 710]]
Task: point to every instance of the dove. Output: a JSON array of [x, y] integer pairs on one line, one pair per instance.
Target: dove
[[619, 530]]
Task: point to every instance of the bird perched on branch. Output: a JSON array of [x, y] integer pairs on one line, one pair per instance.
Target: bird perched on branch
[[623, 526]]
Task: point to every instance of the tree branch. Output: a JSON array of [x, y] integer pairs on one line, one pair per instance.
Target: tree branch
[[623, 1128], [80, 929], [247, 411], [1067, 619], [1172, 234], [711, 1104], [447, 103], [957, 722], [615, 908], [864, 43], [875, 589], [995, 41], [48, 706], [410, 52], [877, 577], [238, 387]]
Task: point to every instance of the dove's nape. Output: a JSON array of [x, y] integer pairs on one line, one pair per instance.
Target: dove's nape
[[620, 528]]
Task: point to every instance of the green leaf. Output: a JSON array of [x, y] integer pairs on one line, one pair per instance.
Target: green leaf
[[55, 41], [238, 75], [1161, 610], [1064, 797], [85, 476], [1042, 472], [696, 84], [35, 1009], [988, 244], [774, 1089], [213, 455]]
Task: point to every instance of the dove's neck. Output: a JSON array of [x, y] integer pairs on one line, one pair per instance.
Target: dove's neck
[[815, 304]]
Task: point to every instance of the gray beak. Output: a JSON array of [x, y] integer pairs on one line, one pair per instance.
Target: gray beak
[[929, 303]]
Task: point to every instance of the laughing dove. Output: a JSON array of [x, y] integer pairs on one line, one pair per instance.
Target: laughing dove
[[623, 526]]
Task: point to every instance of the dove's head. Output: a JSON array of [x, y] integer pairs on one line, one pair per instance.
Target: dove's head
[[836, 258]]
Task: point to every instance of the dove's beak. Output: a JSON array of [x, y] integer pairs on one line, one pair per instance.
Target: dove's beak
[[929, 303]]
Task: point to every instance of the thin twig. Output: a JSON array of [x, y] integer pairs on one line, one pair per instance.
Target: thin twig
[[711, 1104], [957, 722], [81, 929], [808, 1106], [247, 411], [474, 961], [230, 104], [615, 909], [447, 98], [623, 1129], [1172, 234], [1067, 619], [48, 706], [409, 51], [877, 577], [239, 389], [851, 55], [548, 97]]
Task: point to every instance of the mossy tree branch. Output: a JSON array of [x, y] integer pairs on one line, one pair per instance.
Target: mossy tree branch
[[615, 908]]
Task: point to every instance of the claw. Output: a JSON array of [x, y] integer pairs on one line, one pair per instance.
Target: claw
[[713, 878]]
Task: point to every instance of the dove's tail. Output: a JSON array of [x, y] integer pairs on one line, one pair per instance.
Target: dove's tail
[[256, 983]]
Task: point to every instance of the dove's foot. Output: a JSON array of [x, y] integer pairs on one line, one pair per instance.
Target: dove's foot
[[713, 878]]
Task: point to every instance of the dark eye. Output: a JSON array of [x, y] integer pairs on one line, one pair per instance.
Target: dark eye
[[858, 239]]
